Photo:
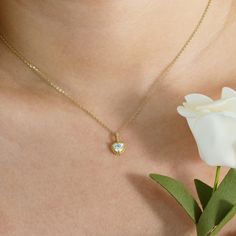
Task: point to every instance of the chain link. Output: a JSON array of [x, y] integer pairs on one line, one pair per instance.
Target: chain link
[[142, 103]]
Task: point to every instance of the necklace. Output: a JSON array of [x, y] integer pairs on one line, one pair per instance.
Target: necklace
[[117, 146]]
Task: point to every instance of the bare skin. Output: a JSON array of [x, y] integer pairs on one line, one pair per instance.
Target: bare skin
[[57, 175]]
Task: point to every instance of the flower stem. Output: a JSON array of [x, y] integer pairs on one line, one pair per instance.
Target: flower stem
[[217, 175]]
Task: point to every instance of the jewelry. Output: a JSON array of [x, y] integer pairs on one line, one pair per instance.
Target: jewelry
[[117, 146]]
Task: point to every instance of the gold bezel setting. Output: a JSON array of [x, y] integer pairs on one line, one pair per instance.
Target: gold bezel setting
[[118, 147]]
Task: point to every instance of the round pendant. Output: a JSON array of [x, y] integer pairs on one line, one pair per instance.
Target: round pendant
[[118, 146]]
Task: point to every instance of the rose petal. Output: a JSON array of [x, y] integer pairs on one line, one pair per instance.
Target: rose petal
[[219, 105], [228, 93], [185, 112], [197, 99], [215, 135]]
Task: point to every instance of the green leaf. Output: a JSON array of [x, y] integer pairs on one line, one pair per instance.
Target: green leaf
[[219, 205], [226, 219], [204, 192], [181, 194]]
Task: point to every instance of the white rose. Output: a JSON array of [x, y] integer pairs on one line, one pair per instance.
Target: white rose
[[213, 125]]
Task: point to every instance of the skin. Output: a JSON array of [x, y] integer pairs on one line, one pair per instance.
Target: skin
[[57, 175]]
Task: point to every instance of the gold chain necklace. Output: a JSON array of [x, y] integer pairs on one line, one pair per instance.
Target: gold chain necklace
[[118, 146]]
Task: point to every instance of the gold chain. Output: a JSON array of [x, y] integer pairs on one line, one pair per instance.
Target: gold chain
[[142, 103]]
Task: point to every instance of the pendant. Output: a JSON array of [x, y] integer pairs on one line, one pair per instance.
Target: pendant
[[118, 146]]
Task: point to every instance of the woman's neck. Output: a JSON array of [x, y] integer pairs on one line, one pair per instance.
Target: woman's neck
[[102, 38]]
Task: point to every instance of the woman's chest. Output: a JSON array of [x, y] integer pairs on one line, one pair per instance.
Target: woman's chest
[[57, 184], [58, 175]]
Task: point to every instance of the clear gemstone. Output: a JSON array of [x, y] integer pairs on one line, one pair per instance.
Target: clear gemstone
[[118, 147]]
